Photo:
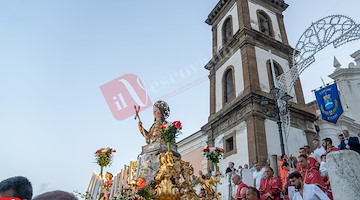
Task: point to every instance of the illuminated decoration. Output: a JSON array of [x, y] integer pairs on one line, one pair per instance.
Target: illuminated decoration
[[334, 29]]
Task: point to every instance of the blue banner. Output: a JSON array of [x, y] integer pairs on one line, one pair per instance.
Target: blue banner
[[329, 103]]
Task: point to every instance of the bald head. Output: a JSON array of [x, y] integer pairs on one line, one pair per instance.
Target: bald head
[[236, 179], [56, 195]]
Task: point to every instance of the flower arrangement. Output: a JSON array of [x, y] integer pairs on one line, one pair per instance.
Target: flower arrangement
[[140, 183], [214, 154], [130, 197], [85, 196], [170, 131], [104, 157]]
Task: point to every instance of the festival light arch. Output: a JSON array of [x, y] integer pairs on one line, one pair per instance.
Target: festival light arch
[[334, 29]]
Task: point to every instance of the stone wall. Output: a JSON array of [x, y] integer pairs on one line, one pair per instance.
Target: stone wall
[[344, 173]]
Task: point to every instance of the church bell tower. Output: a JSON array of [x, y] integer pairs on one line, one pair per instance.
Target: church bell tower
[[244, 32]]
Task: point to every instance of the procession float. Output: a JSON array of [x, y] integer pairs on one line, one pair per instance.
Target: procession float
[[159, 173]]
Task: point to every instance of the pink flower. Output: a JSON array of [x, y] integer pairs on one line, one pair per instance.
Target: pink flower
[[177, 124], [219, 149]]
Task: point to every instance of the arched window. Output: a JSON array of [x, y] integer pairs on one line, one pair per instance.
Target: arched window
[[264, 23], [227, 30], [277, 69], [228, 82]]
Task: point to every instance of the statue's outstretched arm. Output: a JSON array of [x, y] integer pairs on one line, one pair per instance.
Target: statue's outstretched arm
[[144, 132]]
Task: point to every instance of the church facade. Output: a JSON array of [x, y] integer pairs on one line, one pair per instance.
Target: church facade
[[244, 33]]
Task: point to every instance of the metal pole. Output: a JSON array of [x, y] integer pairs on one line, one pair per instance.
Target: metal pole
[[280, 128], [277, 105]]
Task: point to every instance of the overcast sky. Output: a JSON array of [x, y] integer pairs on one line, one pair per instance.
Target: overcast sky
[[54, 56]]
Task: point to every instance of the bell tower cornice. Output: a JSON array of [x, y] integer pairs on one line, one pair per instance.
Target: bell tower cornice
[[216, 11], [278, 4]]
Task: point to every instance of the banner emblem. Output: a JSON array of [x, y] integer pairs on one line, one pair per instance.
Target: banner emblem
[[329, 103]]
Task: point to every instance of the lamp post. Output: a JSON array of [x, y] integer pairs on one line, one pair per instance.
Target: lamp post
[[277, 113]]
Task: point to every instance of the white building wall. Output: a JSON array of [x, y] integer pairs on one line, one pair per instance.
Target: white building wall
[[235, 61], [235, 24], [295, 140], [253, 7], [262, 56], [349, 90], [242, 155]]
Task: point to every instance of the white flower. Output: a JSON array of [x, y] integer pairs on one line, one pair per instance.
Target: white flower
[[212, 149]]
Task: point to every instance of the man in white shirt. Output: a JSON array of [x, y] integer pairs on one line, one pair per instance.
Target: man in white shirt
[[305, 191], [258, 175], [319, 151]]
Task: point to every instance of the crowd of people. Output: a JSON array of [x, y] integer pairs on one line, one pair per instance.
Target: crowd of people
[[304, 177], [307, 174], [20, 187]]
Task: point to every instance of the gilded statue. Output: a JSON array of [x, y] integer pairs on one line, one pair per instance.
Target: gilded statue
[[161, 111], [209, 185], [105, 191]]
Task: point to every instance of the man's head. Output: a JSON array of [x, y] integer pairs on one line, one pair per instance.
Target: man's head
[[246, 166], [17, 186], [296, 179], [359, 133], [285, 166], [231, 165], [56, 195], [327, 142], [323, 158], [257, 167], [269, 172], [302, 159], [252, 194], [346, 133], [236, 179], [302, 151], [284, 157], [316, 143], [341, 137], [307, 149]]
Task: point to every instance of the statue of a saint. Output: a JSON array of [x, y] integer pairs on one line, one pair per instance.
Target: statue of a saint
[[161, 111]]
